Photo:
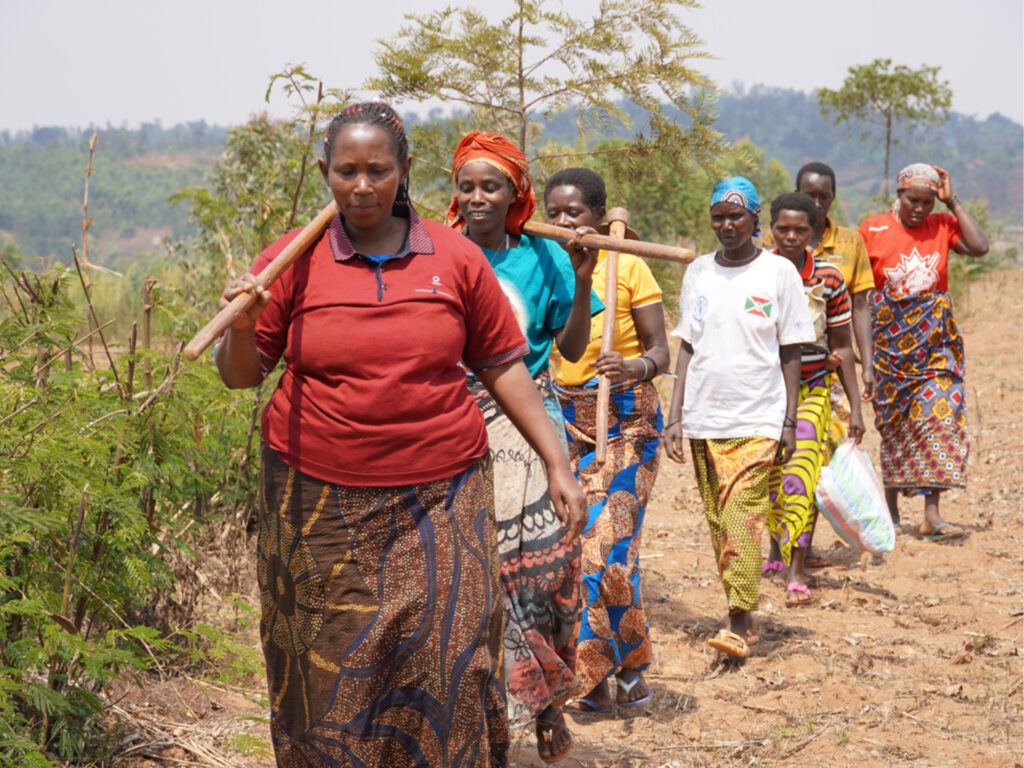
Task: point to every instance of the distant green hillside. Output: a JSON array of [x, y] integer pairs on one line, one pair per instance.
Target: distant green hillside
[[136, 171], [42, 174]]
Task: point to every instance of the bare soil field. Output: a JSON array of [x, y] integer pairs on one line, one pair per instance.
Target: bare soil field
[[912, 658]]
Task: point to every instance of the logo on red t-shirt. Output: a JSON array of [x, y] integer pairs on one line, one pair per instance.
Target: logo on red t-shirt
[[755, 305], [914, 273]]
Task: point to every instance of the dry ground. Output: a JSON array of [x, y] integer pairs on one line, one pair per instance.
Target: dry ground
[[908, 659]]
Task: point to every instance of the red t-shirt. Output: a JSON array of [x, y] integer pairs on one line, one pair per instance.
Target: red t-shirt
[[910, 260], [372, 393]]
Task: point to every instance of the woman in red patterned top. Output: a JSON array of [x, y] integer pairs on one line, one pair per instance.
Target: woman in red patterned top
[[920, 412]]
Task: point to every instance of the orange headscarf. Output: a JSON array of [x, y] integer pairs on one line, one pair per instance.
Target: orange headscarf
[[497, 151]]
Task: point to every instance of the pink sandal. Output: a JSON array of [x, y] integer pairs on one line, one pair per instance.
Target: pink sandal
[[799, 589]]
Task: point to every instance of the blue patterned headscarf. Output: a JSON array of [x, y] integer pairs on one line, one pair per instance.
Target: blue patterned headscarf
[[739, 190]]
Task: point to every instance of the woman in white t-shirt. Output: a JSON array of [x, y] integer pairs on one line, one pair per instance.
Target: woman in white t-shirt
[[742, 319]]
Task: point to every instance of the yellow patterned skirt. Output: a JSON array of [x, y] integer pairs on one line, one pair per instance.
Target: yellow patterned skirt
[[732, 476]]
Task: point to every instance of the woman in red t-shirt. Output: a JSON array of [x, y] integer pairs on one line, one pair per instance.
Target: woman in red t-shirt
[[377, 567], [920, 410]]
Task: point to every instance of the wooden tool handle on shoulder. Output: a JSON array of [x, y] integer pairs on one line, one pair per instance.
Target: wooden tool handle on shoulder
[[223, 319]]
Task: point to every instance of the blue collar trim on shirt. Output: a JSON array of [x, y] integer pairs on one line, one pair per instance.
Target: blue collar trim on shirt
[[417, 240]]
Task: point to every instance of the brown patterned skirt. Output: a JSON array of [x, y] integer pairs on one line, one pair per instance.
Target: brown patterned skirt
[[381, 621]]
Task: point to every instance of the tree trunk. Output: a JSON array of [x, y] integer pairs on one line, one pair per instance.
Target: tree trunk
[[888, 144]]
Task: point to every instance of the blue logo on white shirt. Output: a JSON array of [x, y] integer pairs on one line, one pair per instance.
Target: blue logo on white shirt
[[700, 308]]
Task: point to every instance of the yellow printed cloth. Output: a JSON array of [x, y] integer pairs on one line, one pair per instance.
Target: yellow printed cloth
[[733, 476], [636, 288], [791, 519]]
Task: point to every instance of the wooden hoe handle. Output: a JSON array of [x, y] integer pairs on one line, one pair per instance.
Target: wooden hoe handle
[[223, 320]]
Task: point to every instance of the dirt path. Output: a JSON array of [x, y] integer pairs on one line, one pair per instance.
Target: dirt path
[[907, 659]]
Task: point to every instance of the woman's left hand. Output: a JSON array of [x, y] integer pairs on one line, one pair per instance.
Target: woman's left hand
[[856, 431], [584, 259], [945, 191], [787, 445], [568, 499], [612, 365]]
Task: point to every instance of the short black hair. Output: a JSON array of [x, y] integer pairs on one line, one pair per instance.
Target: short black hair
[[819, 168], [588, 182], [795, 201], [374, 113]]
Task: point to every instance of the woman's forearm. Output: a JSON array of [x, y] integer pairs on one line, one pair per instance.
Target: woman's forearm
[[650, 327], [973, 240], [574, 336], [238, 359], [789, 357], [675, 408]]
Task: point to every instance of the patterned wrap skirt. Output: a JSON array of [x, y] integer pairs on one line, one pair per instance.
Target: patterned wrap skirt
[[614, 633], [539, 569], [732, 477], [381, 613], [792, 485], [921, 412]]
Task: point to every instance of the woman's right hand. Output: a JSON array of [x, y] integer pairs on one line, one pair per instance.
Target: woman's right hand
[[568, 499], [583, 259], [247, 283], [673, 437]]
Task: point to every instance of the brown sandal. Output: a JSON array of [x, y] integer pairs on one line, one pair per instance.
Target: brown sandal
[[546, 735], [730, 643]]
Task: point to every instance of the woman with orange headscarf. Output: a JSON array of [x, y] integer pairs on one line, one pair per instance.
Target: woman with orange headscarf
[[540, 559]]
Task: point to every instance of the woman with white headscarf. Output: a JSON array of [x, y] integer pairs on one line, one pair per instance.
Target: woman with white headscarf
[[920, 412]]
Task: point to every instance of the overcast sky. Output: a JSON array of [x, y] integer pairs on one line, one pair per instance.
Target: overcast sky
[[76, 63]]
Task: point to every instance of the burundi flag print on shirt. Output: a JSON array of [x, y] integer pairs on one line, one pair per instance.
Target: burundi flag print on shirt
[[755, 305]]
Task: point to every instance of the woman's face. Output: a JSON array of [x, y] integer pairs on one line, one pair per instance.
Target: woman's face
[[915, 205], [733, 224], [792, 231], [364, 174], [484, 195], [564, 207]]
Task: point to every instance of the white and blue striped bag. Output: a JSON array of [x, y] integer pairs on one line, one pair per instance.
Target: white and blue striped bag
[[851, 498]]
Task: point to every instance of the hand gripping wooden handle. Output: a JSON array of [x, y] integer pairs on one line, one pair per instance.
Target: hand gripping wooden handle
[[223, 320], [618, 219]]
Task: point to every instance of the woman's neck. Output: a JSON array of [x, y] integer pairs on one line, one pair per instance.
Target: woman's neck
[[499, 240], [382, 240], [739, 256]]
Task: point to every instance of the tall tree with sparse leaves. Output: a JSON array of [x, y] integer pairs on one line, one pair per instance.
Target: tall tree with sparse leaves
[[889, 97], [538, 61]]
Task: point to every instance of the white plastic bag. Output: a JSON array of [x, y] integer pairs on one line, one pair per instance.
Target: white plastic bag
[[851, 497]]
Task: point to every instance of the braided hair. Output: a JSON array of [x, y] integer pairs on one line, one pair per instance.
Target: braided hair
[[372, 113], [588, 182]]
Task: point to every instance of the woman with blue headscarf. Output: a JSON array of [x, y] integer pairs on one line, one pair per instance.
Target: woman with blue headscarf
[[742, 320]]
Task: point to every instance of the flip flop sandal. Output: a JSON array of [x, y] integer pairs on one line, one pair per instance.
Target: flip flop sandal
[[771, 567], [954, 533], [546, 735], [730, 643], [753, 638], [817, 562], [627, 687], [800, 589]]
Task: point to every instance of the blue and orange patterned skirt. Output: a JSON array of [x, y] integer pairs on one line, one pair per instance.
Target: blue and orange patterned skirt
[[614, 632]]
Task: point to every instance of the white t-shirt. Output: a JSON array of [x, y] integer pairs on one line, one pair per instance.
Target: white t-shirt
[[735, 318]]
